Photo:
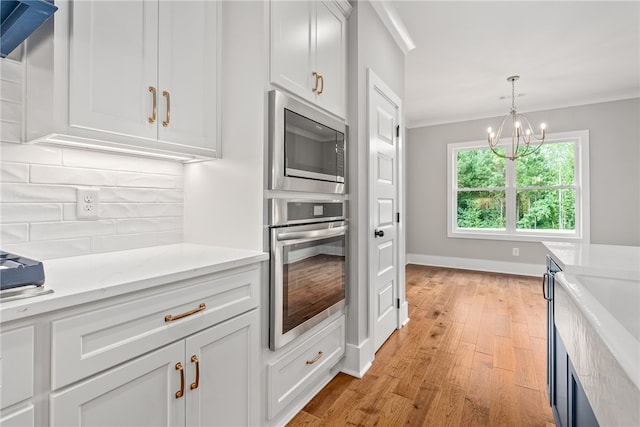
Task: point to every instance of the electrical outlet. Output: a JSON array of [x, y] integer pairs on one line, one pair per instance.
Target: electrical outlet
[[88, 203], [516, 251]]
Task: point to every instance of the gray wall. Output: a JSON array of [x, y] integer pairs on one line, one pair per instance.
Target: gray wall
[[614, 143], [369, 46]]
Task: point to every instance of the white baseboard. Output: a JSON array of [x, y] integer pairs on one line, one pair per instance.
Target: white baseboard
[[478, 264], [404, 314], [357, 359]]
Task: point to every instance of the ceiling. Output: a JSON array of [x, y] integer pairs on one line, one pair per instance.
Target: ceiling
[[566, 53]]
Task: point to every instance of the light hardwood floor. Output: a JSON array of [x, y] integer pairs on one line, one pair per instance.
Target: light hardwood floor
[[473, 354]]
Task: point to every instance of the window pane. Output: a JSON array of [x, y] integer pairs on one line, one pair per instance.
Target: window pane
[[546, 210], [552, 164], [480, 169], [481, 209]]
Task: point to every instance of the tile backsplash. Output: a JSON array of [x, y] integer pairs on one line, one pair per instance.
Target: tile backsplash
[[141, 201]]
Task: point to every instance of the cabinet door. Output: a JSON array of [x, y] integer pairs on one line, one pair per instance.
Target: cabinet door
[[141, 392], [112, 64], [331, 56], [17, 363], [188, 73], [292, 54], [560, 386], [225, 393]]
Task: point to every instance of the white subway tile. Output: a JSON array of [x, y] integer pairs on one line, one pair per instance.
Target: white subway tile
[[169, 237], [14, 172], [135, 195], [10, 111], [36, 193], [146, 225], [75, 176], [10, 133], [13, 233], [180, 182], [11, 70], [30, 212], [70, 212], [140, 210], [122, 242], [11, 90], [31, 153], [120, 162], [71, 229], [127, 179], [51, 249]]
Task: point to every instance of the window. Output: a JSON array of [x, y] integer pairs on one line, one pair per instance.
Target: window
[[543, 196]]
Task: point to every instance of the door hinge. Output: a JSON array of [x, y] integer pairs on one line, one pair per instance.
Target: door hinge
[[398, 217], [398, 303], [398, 131]]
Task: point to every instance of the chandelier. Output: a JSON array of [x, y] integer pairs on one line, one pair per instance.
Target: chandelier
[[521, 133]]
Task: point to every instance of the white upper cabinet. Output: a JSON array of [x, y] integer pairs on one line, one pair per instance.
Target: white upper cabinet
[[308, 51], [140, 74]]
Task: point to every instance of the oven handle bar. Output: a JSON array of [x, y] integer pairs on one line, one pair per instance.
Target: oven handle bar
[[311, 234]]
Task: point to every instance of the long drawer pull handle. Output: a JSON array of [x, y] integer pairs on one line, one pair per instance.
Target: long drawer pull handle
[[180, 392], [321, 84], [167, 96], [154, 111], [171, 318], [545, 278], [315, 359], [195, 384], [317, 77]]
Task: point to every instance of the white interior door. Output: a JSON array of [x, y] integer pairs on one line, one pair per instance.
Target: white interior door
[[384, 198]]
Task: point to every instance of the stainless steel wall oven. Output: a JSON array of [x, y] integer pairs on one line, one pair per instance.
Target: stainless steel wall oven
[[307, 148], [308, 262]]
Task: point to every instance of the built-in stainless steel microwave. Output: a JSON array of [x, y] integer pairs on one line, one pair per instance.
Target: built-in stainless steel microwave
[[307, 148]]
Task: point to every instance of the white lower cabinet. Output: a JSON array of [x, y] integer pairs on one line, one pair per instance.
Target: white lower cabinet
[[206, 379], [17, 359], [298, 368], [24, 417]]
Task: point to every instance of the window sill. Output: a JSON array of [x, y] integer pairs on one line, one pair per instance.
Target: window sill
[[518, 236]]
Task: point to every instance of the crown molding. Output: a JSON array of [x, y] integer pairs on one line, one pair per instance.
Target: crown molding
[[394, 24]]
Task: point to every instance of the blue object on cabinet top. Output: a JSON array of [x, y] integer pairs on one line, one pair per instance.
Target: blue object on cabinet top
[[20, 18]]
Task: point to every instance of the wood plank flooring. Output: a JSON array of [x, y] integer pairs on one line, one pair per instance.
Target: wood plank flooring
[[473, 354]]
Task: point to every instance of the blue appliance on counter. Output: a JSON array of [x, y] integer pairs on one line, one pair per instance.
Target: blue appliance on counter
[[20, 18], [17, 271]]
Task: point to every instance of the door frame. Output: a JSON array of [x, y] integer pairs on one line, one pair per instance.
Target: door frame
[[375, 83]]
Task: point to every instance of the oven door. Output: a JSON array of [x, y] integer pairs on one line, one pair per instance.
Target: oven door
[[307, 278]]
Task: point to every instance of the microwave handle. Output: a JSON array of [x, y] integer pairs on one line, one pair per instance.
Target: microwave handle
[[312, 234]]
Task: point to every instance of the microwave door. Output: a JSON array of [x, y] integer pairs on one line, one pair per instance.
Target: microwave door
[[311, 149]]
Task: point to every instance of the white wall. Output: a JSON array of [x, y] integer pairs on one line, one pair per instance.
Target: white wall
[[370, 46], [141, 199], [224, 198], [614, 177]]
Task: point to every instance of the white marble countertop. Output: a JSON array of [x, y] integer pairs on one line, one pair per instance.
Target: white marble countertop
[[88, 278], [617, 262]]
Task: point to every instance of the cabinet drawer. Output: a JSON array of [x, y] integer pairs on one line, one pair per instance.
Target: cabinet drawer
[[17, 358], [290, 375], [107, 334]]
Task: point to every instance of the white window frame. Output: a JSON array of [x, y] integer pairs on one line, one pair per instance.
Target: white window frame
[[581, 234]]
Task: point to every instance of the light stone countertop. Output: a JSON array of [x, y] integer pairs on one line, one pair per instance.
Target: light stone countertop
[[89, 278], [616, 262]]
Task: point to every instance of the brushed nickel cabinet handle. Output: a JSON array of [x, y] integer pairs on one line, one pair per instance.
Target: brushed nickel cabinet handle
[[166, 122], [194, 385], [315, 359], [171, 318], [317, 76], [180, 392], [154, 108]]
